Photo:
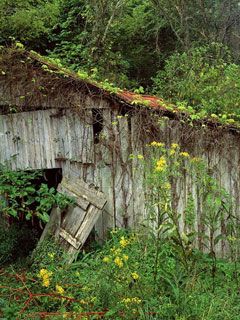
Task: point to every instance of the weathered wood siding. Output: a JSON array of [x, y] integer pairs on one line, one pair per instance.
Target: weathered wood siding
[[49, 139], [42, 139]]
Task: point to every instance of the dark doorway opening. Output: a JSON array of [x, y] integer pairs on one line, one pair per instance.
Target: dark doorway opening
[[19, 236]]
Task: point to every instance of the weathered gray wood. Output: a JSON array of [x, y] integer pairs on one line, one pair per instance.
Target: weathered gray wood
[[73, 220], [81, 189], [79, 220], [52, 228], [82, 203], [70, 239], [88, 223]]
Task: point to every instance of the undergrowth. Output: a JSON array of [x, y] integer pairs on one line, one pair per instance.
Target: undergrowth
[[120, 282]]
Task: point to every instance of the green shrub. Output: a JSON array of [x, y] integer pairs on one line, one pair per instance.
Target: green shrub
[[204, 78], [23, 197]]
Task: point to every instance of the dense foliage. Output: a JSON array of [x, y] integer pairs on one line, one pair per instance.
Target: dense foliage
[[28, 21], [123, 280], [24, 197], [158, 44], [205, 78]]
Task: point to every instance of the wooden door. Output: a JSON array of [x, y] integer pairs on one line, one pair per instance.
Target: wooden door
[[73, 229]]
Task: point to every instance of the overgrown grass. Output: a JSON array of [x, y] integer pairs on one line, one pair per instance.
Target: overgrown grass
[[121, 281]]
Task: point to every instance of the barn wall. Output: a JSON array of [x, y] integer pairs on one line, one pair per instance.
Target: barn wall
[[49, 139]]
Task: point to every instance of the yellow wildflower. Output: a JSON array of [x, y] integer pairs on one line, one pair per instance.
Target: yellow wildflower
[[172, 152], [174, 145], [157, 144], [116, 251], [59, 289], [118, 261], [184, 154], [42, 272], [131, 300], [161, 164], [106, 259], [46, 282], [51, 255], [123, 242], [126, 300], [136, 300], [167, 186], [125, 257], [83, 301], [135, 275], [45, 275], [140, 156], [195, 159]]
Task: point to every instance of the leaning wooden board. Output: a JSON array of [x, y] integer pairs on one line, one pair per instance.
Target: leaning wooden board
[[78, 221]]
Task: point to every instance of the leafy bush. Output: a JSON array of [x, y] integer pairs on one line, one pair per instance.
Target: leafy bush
[[204, 78], [23, 198], [27, 21]]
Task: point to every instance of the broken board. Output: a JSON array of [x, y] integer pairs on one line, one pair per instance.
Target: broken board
[[76, 223]]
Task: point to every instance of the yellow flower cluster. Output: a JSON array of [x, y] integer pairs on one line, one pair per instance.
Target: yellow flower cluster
[[167, 186], [174, 145], [116, 251], [59, 289], [118, 261], [51, 255], [125, 257], [184, 154], [123, 242], [45, 275], [157, 144], [196, 160], [135, 275], [161, 164], [106, 259], [131, 300], [117, 256], [140, 156], [231, 239]]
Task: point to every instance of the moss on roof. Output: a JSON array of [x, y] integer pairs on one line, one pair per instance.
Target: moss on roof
[[47, 78]]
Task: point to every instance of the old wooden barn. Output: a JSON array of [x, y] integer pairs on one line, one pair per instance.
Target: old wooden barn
[[54, 119]]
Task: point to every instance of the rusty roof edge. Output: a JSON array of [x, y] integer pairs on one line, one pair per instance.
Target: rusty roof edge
[[128, 98]]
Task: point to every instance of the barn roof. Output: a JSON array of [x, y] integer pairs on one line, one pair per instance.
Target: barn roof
[[17, 63]]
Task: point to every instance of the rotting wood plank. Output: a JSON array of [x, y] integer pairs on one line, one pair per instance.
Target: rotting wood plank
[[82, 203], [73, 219], [70, 239], [88, 223], [81, 189]]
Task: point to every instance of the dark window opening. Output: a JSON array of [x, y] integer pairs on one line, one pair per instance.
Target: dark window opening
[[97, 124]]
